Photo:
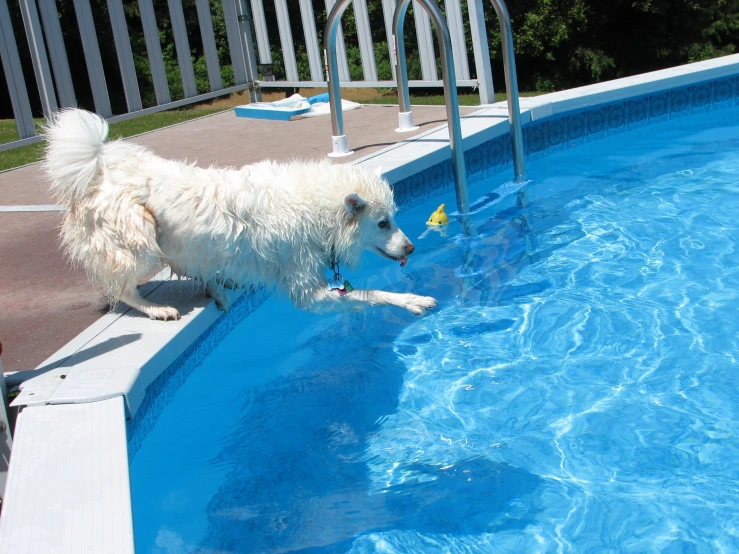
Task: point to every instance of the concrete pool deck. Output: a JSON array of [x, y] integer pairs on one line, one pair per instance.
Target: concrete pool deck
[[45, 302]]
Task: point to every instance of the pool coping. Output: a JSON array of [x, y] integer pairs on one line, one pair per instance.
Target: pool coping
[[134, 353]]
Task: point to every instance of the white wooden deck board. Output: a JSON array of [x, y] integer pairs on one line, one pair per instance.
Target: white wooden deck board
[[68, 486]]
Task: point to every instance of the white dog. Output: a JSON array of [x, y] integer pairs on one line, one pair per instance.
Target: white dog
[[285, 225]]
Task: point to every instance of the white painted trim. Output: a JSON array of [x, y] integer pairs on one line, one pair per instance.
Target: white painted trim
[[178, 103], [629, 87], [360, 84], [68, 489], [18, 143]]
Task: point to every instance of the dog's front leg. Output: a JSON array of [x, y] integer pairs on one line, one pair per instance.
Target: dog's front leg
[[331, 301]]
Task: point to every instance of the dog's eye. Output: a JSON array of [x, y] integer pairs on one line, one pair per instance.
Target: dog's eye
[[384, 223]]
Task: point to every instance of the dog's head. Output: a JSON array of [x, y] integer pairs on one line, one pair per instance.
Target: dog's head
[[376, 226]]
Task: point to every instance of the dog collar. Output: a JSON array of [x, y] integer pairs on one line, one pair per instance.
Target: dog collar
[[339, 284]]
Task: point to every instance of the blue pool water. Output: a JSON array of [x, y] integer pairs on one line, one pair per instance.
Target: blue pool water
[[575, 391]]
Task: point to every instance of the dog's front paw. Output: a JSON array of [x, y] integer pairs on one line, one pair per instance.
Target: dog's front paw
[[419, 304], [162, 312]]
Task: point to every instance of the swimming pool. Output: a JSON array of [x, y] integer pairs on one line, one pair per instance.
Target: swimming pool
[[575, 390]]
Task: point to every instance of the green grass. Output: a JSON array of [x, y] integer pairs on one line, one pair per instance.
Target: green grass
[[33, 152]]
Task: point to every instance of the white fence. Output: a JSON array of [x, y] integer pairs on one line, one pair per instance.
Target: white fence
[[245, 27]]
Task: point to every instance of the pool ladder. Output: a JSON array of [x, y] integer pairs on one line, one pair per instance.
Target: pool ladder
[[405, 116]]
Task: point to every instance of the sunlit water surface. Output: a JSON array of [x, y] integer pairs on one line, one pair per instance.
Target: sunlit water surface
[[575, 391]]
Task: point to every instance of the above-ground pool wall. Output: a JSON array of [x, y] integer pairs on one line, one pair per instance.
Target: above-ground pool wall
[[165, 386], [568, 129], [545, 134]]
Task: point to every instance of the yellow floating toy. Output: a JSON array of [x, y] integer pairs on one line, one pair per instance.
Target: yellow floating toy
[[439, 217]]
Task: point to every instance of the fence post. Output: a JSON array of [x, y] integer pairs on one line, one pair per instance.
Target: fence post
[[57, 53], [125, 56], [94, 63], [481, 51], [154, 52], [14, 75], [38, 56], [247, 43]]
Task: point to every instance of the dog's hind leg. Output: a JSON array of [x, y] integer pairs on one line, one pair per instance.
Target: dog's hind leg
[[118, 248], [218, 293], [133, 298]]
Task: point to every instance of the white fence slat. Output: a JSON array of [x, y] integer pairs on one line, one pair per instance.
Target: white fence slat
[[286, 40], [246, 38], [388, 10], [364, 35], [260, 29], [92, 57], [40, 61], [182, 45], [14, 75], [425, 43], [209, 44], [234, 42], [341, 59], [481, 52], [459, 44], [57, 53], [311, 40], [125, 57], [154, 52]]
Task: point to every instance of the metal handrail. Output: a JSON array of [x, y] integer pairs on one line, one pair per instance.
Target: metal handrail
[[405, 116], [511, 85], [449, 77], [338, 138]]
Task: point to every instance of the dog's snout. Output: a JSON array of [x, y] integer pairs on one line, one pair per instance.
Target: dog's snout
[[409, 248]]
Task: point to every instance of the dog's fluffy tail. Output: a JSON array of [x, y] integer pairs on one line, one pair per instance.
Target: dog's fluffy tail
[[74, 147]]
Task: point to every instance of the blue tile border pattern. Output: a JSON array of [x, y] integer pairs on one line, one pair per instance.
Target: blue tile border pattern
[[570, 129], [160, 393], [540, 138]]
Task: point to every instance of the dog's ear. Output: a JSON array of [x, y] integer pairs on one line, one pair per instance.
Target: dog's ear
[[378, 171], [354, 204]]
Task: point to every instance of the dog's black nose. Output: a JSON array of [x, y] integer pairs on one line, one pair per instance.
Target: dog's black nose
[[409, 248]]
